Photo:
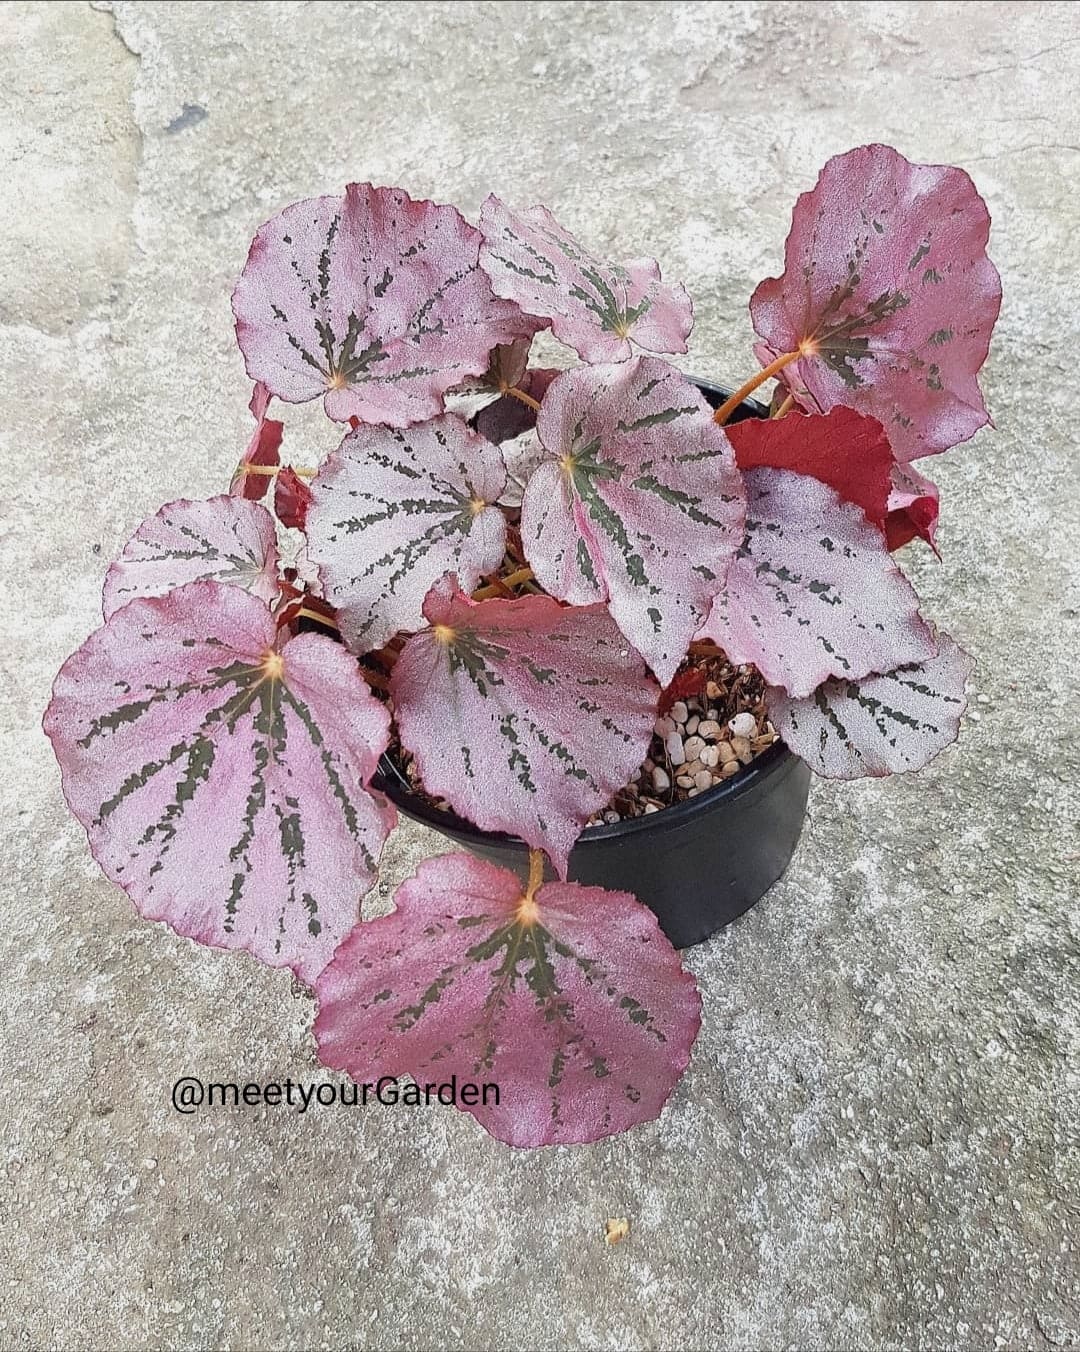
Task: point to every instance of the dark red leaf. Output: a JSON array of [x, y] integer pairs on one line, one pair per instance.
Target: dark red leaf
[[292, 498], [262, 449]]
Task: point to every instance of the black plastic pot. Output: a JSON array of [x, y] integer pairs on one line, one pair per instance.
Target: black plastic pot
[[698, 864]]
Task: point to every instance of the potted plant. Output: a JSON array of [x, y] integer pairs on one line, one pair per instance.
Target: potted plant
[[553, 598]]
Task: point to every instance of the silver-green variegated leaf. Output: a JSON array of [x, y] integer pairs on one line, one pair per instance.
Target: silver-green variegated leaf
[[638, 503], [223, 782], [881, 725], [595, 307], [526, 716], [393, 511], [572, 1003], [372, 300], [222, 539], [813, 591]]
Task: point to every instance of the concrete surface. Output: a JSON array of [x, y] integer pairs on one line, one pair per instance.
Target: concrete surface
[[876, 1144]]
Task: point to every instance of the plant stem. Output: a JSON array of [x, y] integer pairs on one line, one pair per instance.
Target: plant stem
[[515, 393], [785, 407], [536, 873], [513, 580], [304, 614], [271, 470], [728, 407]]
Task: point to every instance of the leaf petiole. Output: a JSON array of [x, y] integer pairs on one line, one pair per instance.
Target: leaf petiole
[[728, 407]]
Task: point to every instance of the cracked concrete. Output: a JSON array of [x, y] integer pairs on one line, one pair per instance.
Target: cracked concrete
[[876, 1143]]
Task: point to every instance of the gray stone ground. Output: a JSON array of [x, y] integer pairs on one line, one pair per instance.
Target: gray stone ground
[[876, 1144]]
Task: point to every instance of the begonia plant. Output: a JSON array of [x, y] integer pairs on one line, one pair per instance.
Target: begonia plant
[[505, 567]]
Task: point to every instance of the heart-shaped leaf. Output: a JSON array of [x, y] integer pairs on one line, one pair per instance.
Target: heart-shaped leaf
[[524, 715], [222, 783], [225, 539], [292, 498], [573, 1002], [813, 591], [880, 725], [889, 295], [393, 511], [594, 307], [912, 508], [639, 503], [263, 448], [372, 300]]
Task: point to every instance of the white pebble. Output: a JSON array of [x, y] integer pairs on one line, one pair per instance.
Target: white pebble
[[693, 746], [693, 793], [674, 747], [651, 807], [692, 724], [611, 817], [710, 756], [660, 779], [685, 782], [709, 729], [663, 726], [743, 725], [679, 712], [702, 780]]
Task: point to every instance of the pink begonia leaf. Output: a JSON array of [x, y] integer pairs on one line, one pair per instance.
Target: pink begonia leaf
[[262, 449], [888, 291], [508, 417], [224, 539], [639, 503], [879, 725], [912, 508], [594, 307], [223, 784], [813, 591], [524, 715], [372, 300], [573, 1002], [393, 511], [292, 498]]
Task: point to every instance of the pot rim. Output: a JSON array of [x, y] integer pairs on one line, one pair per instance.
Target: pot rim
[[389, 780], [775, 760]]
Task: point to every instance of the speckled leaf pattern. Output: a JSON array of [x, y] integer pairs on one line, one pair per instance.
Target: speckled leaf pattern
[[372, 300], [639, 503], [263, 448], [524, 715], [594, 307], [813, 591], [225, 539], [393, 511], [574, 1004], [880, 725], [221, 783], [888, 289]]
